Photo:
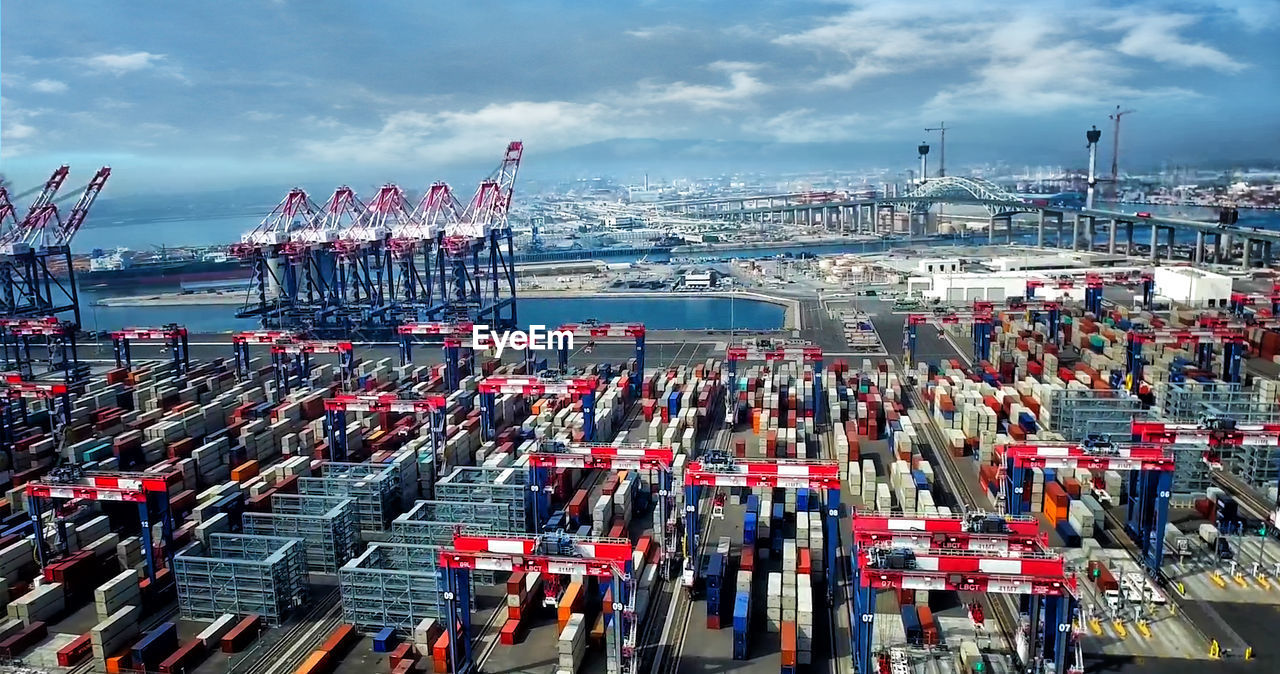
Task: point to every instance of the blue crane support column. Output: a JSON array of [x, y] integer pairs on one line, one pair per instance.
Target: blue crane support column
[[451, 376], [488, 416], [457, 599], [562, 356], [1017, 478], [1148, 292], [863, 616], [589, 416], [335, 421], [1134, 363], [619, 613], [1154, 539], [909, 346], [1093, 299], [833, 542], [639, 373], [530, 361], [691, 526], [1233, 353], [37, 530], [818, 402], [406, 349], [540, 493], [1204, 356], [121, 347], [242, 358], [1055, 316]]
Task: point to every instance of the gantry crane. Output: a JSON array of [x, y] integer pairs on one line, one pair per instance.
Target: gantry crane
[[272, 253], [974, 532], [559, 554], [59, 336], [1042, 575], [31, 287], [803, 354], [1151, 480], [629, 456], [335, 410], [716, 470], [594, 330], [458, 343], [240, 342], [1235, 346], [149, 490], [174, 335], [469, 292], [56, 396], [295, 355], [549, 382], [1271, 301], [981, 319]]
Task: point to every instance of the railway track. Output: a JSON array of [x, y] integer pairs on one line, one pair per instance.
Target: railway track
[[1002, 607]]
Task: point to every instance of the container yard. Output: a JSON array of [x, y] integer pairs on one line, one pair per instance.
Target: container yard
[[999, 469]]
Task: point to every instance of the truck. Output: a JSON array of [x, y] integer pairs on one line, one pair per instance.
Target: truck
[[1175, 542]]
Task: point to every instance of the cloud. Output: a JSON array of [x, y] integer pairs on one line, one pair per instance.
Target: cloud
[[260, 115], [804, 125], [1156, 37], [120, 64], [742, 87], [465, 135], [659, 32], [46, 86]]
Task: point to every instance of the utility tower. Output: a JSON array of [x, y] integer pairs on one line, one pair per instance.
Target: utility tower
[[1115, 149], [1092, 135], [923, 149], [941, 128]]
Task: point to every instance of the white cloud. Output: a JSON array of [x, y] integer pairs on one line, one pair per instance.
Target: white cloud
[[662, 31], [804, 125], [120, 64], [742, 87], [46, 86], [1156, 37], [442, 137], [259, 115]]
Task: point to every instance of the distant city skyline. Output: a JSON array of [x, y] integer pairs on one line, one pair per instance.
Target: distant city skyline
[[181, 98]]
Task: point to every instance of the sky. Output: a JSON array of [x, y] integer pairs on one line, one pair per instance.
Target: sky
[[206, 96]]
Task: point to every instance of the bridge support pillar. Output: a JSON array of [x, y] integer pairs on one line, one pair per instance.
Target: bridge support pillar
[[1266, 254], [1058, 241], [1128, 233], [1090, 232], [991, 230], [1040, 230], [1246, 259], [1170, 232], [1111, 237], [1228, 249], [1075, 232], [1155, 244], [1197, 255]]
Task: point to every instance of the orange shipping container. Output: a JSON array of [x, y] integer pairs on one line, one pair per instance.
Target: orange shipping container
[[316, 663], [244, 471], [789, 643]]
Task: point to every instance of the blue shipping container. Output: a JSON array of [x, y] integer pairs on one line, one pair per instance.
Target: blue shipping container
[[753, 503], [749, 529], [715, 570], [802, 500], [741, 611], [157, 645], [778, 514], [1070, 538], [384, 640], [911, 624], [673, 404]]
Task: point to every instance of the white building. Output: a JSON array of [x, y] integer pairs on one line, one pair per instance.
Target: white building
[[1193, 287], [700, 280], [963, 288], [934, 265]]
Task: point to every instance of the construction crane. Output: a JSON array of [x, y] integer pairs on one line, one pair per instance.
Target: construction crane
[[975, 532], [1235, 345], [1271, 301], [28, 285], [1115, 149], [267, 249], [174, 335], [941, 128], [550, 554], [616, 457]]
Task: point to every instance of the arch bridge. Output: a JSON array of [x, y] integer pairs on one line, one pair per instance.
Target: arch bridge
[[998, 201]]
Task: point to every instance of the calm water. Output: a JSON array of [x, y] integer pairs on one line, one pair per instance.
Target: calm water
[[673, 313]]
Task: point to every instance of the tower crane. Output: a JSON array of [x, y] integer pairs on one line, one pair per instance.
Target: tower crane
[[1115, 148]]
